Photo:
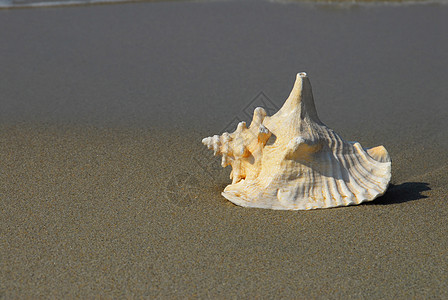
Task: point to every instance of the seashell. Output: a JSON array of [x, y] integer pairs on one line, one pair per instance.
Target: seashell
[[293, 161]]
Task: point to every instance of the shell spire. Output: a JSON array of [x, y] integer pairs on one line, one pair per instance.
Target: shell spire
[[308, 165], [300, 100], [298, 112]]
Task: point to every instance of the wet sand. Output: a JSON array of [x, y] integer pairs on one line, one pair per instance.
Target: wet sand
[[106, 190]]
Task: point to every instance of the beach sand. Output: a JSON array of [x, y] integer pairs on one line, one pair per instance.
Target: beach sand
[[107, 191]]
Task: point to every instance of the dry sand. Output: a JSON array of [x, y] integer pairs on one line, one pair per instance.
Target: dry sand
[[106, 190]]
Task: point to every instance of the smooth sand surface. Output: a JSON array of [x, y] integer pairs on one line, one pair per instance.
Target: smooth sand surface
[[106, 190]]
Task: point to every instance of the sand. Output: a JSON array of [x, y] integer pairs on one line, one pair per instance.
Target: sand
[[106, 190]]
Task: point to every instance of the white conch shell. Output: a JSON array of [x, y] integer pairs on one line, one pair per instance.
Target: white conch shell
[[308, 165]]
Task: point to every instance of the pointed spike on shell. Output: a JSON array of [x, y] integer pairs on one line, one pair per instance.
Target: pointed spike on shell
[[224, 160], [207, 142], [379, 153], [259, 114], [225, 137], [241, 126], [216, 144]]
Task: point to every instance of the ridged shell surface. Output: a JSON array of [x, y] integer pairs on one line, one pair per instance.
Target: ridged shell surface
[[292, 161]]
